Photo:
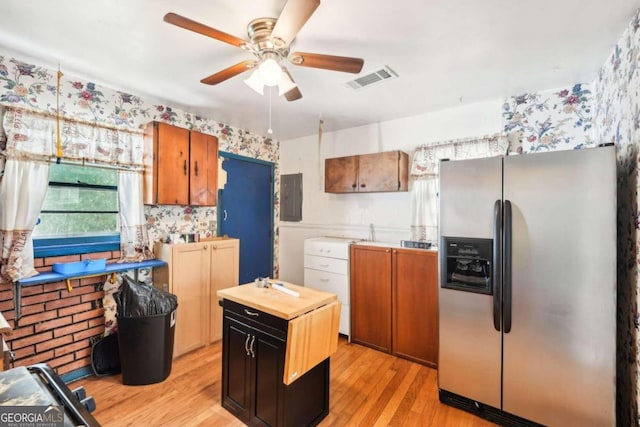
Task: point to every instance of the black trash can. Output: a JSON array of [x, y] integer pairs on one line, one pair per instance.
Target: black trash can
[[146, 326], [146, 347]]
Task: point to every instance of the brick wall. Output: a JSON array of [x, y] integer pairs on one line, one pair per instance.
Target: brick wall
[[57, 326]]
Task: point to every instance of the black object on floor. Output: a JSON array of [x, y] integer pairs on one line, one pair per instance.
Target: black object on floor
[[105, 356]]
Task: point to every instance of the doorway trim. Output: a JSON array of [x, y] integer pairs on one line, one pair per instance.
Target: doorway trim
[[271, 165]]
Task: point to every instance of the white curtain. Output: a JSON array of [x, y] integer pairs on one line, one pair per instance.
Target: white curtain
[[31, 142], [134, 238], [22, 190], [34, 134], [425, 172]]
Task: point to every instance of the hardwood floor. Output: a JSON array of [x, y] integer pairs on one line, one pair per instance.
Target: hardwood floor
[[368, 388]]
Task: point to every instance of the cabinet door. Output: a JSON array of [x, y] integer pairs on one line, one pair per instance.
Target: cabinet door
[[268, 360], [190, 278], [203, 175], [371, 296], [341, 174], [252, 367], [378, 172], [173, 165], [415, 305], [224, 274], [236, 368]]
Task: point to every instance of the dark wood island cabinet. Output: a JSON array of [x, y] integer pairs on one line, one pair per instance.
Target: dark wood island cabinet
[[275, 365]]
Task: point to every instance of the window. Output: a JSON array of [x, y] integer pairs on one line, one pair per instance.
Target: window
[[80, 211]]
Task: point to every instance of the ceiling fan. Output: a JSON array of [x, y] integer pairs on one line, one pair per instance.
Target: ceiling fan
[[269, 41]]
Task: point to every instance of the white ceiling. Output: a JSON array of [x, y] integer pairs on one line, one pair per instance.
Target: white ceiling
[[446, 52]]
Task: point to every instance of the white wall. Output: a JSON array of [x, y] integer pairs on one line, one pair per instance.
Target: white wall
[[349, 215]]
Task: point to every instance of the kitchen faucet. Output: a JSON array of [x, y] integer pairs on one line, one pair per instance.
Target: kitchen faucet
[[372, 233]]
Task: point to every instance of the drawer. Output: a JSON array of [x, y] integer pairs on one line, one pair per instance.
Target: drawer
[[333, 249], [328, 282], [332, 265]]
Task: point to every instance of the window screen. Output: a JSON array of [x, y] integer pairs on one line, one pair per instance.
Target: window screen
[[80, 200]]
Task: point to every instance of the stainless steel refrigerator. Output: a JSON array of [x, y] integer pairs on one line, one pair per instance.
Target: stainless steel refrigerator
[[527, 295]]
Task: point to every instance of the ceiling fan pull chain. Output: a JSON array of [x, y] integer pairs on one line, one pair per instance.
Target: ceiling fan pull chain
[[270, 130]]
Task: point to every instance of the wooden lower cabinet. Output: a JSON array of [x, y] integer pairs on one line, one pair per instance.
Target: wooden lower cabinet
[[191, 285], [394, 301], [371, 296], [253, 363], [194, 272], [415, 305], [224, 273]]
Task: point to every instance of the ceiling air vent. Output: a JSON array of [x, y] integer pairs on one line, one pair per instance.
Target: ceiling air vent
[[378, 76]]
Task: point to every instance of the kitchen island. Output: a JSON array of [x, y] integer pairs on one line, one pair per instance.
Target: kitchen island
[[275, 353]]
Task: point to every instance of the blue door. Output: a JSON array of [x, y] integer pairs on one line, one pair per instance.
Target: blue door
[[245, 211]]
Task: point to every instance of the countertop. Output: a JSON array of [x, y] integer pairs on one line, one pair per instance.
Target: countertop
[[277, 303], [392, 245]]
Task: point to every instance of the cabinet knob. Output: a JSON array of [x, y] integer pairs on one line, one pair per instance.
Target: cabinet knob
[[205, 247], [353, 185], [363, 185], [214, 247], [387, 250]]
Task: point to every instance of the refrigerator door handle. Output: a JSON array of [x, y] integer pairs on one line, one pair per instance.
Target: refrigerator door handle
[[507, 266], [497, 264]]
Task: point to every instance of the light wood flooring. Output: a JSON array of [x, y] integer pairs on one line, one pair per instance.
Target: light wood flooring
[[368, 388]]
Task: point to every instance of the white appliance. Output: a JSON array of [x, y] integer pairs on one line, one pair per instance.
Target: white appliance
[[326, 268], [527, 296]]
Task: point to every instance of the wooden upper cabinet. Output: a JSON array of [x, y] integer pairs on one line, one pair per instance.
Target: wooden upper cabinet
[[182, 168], [341, 174], [203, 188], [386, 171], [173, 165], [376, 172]]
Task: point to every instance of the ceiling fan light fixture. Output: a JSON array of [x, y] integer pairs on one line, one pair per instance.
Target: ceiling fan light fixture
[[285, 84], [270, 70], [255, 82]]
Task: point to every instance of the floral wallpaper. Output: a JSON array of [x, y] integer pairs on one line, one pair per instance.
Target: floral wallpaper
[[617, 120], [33, 86], [552, 120]]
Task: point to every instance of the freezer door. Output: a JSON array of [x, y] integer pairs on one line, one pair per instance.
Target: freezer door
[[469, 355], [559, 356]]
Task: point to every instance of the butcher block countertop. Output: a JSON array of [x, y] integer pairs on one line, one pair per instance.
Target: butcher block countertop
[[275, 302]]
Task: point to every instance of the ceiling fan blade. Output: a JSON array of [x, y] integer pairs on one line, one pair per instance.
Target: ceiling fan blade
[[293, 94], [293, 16], [327, 62], [199, 28], [227, 73]]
